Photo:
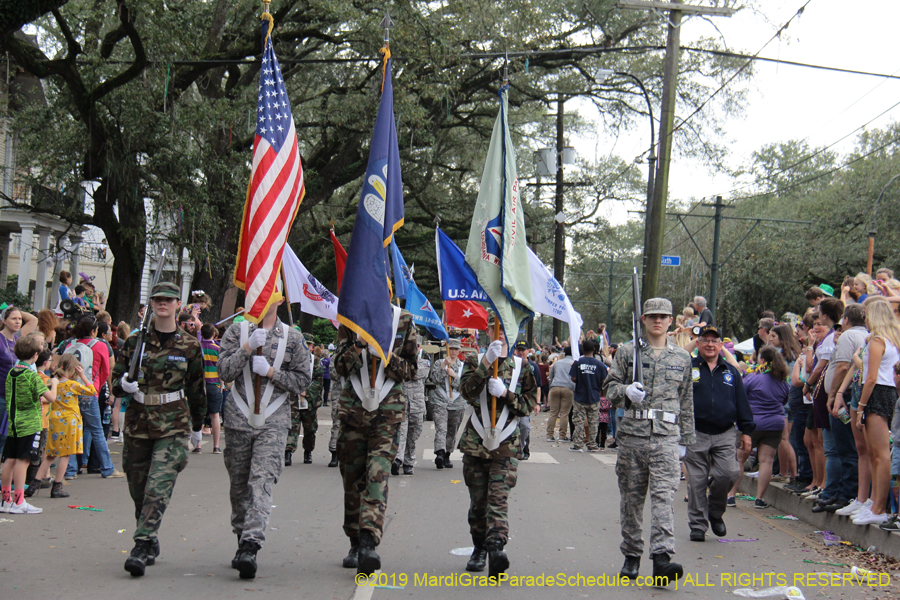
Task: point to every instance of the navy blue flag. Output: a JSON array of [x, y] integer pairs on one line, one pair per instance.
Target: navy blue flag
[[457, 280], [365, 301], [401, 272]]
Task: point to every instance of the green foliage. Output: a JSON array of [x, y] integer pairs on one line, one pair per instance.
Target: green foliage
[[11, 296], [323, 332]]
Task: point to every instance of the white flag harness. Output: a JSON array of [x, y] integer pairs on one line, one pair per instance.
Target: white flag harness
[[491, 439], [372, 398], [267, 405]]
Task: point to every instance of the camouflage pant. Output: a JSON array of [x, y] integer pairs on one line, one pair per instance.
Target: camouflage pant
[[152, 466], [647, 463], [254, 460], [580, 414], [446, 424], [410, 431], [335, 425], [309, 420], [366, 448], [489, 481]]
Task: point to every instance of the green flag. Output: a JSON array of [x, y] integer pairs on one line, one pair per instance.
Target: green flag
[[497, 250]]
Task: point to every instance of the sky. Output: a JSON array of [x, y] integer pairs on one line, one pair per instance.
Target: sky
[[787, 102]]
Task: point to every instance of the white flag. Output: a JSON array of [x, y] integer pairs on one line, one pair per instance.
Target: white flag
[[550, 299], [303, 288]]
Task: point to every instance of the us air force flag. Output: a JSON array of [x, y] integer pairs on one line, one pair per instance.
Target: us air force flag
[[496, 250], [306, 290], [550, 299]]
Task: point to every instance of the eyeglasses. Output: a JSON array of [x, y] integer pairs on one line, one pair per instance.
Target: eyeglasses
[[708, 341]]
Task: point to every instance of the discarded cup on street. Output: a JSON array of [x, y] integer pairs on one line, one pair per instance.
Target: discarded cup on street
[[784, 592]]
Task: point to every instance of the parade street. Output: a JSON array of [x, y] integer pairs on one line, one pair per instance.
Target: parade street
[[564, 520]]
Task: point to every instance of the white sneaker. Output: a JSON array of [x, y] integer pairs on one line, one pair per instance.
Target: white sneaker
[[868, 504], [872, 519], [5, 506], [850, 509], [812, 497], [862, 514], [25, 509], [754, 475]]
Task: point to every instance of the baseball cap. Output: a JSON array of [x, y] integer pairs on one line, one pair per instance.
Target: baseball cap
[[165, 289], [827, 289], [521, 345], [657, 306], [710, 329], [454, 343]]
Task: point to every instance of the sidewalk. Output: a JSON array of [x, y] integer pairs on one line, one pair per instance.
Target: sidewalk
[[864, 536]]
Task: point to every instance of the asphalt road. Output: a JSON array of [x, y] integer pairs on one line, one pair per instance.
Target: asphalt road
[[563, 520]]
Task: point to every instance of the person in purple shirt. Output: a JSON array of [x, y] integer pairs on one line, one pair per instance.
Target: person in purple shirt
[[767, 393], [326, 378], [13, 325]]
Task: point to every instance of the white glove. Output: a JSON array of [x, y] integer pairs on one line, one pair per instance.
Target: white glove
[[635, 392], [260, 366], [493, 351], [128, 385], [496, 387], [682, 450], [196, 438], [257, 338]]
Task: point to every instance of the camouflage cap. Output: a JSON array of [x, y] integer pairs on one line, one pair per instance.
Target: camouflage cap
[[454, 343], [657, 306], [166, 289]]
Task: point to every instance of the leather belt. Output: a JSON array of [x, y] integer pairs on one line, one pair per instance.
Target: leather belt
[[652, 414], [159, 399]]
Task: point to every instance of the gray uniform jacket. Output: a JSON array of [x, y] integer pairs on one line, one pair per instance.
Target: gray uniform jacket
[[293, 377], [414, 389], [438, 376], [667, 382]]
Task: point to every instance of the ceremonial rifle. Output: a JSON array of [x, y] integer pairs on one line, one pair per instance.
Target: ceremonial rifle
[[637, 374], [135, 367]]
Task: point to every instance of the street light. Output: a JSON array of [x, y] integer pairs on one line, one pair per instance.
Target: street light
[[602, 75]]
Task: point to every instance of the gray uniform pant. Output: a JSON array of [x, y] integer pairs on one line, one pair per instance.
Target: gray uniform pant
[[524, 433], [335, 426], [254, 460], [410, 430], [710, 456], [446, 424], [647, 463]]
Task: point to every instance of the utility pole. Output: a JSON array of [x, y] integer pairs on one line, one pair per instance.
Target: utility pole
[[559, 238], [656, 210], [714, 265]]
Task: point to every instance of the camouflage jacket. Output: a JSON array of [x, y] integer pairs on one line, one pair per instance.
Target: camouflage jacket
[[667, 382], [402, 366], [335, 390], [473, 381], [438, 377], [314, 391], [414, 389], [176, 365], [292, 378]]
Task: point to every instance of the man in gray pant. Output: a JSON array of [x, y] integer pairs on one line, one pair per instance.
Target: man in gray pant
[[719, 402]]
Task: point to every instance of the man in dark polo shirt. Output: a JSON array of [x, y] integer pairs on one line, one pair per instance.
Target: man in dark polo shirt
[[719, 402]]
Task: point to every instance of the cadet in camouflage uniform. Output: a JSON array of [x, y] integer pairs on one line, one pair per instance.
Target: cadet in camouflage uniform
[[167, 403], [307, 417], [254, 444], [447, 408], [411, 429], [491, 474], [333, 397], [367, 443], [659, 416]]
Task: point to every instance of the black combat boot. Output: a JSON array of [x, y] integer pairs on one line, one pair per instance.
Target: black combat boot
[[33, 486], [154, 551], [478, 559], [497, 560], [234, 561], [395, 466], [334, 460], [439, 459], [447, 463], [407, 469], [665, 572], [141, 556], [351, 561], [57, 491], [307, 457], [631, 567], [246, 559], [369, 561], [288, 458]]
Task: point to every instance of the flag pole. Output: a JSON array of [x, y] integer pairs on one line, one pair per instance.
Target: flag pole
[[496, 365], [287, 299]]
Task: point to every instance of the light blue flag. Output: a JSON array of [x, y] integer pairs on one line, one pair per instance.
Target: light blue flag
[[401, 271]]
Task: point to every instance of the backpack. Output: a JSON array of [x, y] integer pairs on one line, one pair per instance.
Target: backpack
[[84, 354]]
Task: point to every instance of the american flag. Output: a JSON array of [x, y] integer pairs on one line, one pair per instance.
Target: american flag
[[274, 194]]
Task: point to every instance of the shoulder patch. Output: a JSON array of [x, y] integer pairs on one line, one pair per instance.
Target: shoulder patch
[[695, 374]]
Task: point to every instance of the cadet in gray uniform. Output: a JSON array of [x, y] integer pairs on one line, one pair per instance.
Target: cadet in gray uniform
[[254, 443], [333, 396], [448, 405], [411, 429], [658, 424]]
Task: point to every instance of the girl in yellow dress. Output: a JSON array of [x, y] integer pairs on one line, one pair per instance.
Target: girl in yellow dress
[[64, 438]]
